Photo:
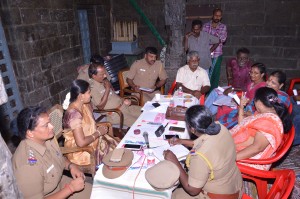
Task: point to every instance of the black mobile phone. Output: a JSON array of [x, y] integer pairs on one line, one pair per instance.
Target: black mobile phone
[[133, 146], [177, 129], [155, 104], [166, 137]]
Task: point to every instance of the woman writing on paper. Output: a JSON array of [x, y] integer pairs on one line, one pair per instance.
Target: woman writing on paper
[[212, 170], [79, 118], [259, 136]]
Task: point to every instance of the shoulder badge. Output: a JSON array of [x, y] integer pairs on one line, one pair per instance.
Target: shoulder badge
[[192, 152], [31, 158]]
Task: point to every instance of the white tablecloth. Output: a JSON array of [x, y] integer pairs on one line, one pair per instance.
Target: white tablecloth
[[133, 181]]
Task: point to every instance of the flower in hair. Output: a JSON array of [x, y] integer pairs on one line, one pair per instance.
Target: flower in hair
[[273, 99], [67, 101]]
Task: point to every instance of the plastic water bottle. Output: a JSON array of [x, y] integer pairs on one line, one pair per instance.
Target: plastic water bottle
[[180, 92], [172, 104], [150, 158]]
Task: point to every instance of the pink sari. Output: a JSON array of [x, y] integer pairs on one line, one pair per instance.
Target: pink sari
[[269, 125]]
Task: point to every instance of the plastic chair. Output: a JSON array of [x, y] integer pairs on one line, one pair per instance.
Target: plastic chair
[[281, 188], [124, 87], [285, 145], [172, 88], [292, 84]]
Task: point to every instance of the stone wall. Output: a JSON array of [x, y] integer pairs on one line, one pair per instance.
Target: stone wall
[[45, 46], [268, 28]]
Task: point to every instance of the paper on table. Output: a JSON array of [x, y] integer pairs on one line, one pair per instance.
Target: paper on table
[[296, 93], [220, 90], [235, 97], [148, 106], [179, 150], [146, 89], [223, 100], [161, 109]]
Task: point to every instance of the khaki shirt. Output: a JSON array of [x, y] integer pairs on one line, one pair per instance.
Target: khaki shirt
[[220, 151], [193, 80], [145, 75], [97, 92], [42, 177]]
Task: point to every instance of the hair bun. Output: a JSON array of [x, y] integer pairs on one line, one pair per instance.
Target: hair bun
[[213, 129]]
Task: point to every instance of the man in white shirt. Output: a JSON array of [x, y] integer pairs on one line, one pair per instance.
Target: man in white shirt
[[192, 78]]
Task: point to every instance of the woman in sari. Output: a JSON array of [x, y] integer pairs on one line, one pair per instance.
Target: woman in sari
[[276, 81], [79, 118], [259, 136], [257, 75]]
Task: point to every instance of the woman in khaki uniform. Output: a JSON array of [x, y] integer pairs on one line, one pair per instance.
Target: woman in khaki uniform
[[212, 171], [38, 163]]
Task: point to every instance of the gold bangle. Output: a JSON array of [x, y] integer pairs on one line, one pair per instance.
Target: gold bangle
[[99, 133], [69, 166], [93, 137]]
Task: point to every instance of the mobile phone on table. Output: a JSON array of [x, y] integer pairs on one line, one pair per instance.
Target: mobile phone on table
[[156, 104], [167, 137], [177, 129], [134, 147]]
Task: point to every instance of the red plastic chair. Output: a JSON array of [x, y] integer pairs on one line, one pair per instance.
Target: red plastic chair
[[285, 145], [290, 108], [292, 84], [171, 90], [281, 188]]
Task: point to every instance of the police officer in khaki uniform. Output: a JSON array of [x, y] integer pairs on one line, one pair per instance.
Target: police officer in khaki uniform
[[145, 72], [38, 163], [103, 97], [212, 169], [83, 71]]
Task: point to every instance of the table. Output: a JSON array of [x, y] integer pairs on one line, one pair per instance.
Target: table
[[122, 187]]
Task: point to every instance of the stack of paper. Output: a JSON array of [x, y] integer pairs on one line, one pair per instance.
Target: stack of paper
[[179, 150], [147, 89]]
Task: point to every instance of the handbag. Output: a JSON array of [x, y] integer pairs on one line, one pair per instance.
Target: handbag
[[106, 144], [176, 113]]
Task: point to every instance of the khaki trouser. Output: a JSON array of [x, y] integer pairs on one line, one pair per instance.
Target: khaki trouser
[[131, 113]]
